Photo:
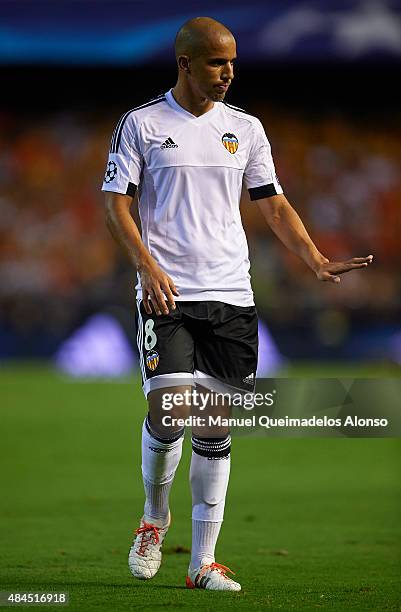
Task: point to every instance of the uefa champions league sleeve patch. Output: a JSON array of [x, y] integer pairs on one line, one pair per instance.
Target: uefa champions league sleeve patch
[[111, 172]]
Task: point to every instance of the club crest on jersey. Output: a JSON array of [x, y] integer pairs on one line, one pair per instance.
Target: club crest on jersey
[[152, 360], [230, 141]]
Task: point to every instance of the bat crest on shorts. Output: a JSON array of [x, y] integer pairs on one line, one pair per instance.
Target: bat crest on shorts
[[152, 360]]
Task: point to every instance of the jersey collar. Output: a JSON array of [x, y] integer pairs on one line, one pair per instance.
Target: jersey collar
[[174, 104]]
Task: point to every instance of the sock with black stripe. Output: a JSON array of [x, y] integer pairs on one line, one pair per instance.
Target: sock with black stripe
[[209, 475]]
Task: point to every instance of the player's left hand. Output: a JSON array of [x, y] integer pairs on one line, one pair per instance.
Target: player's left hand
[[329, 271]]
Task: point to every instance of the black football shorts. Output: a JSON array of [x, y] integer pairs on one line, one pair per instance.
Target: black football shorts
[[196, 343]]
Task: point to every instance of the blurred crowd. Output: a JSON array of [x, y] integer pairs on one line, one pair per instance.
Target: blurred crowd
[[341, 174], [343, 177]]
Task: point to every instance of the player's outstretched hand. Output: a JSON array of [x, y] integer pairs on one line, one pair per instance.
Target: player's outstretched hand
[[330, 270], [157, 287]]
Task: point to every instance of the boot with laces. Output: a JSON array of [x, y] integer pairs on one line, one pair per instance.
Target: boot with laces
[[211, 576], [145, 553]]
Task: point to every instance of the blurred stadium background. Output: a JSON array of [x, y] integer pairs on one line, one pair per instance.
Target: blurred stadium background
[[322, 78]]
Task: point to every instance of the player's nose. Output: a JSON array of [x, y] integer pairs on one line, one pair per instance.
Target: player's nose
[[228, 72]]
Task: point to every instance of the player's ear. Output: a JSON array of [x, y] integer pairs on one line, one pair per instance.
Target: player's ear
[[183, 63]]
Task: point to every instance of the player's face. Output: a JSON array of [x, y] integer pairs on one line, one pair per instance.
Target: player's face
[[213, 71]]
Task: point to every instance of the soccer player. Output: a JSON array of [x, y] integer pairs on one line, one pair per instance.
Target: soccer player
[[187, 154]]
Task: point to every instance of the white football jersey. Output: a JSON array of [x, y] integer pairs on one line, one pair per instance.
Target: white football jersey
[[189, 172]]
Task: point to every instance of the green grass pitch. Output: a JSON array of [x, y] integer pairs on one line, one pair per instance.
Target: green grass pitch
[[310, 523]]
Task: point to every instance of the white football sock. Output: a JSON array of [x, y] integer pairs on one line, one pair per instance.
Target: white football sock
[[204, 538], [209, 475], [160, 459]]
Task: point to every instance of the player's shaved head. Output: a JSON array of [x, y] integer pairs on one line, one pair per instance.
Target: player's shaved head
[[205, 51], [200, 34]]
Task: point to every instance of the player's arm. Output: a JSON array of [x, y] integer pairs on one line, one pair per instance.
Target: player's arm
[[155, 283], [123, 175], [288, 227]]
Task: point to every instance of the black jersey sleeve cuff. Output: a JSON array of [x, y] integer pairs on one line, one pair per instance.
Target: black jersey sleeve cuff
[[266, 191], [131, 190]]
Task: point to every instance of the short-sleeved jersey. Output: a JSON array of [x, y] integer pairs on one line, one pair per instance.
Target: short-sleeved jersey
[[189, 172]]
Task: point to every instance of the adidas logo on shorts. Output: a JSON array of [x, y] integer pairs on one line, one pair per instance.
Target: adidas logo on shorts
[[249, 380], [169, 144]]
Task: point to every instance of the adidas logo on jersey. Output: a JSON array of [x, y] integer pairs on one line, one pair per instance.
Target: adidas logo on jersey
[[249, 380], [169, 144]]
